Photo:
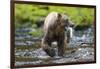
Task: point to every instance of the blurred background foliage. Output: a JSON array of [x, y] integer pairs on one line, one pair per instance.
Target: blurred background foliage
[[34, 15]]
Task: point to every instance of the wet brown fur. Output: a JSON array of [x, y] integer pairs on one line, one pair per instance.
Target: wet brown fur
[[54, 33]]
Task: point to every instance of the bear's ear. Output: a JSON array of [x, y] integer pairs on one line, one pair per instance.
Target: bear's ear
[[59, 16]]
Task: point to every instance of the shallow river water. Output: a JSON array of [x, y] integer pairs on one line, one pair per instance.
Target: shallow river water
[[80, 49]]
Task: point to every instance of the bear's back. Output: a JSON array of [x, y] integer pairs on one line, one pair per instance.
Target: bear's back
[[50, 20]]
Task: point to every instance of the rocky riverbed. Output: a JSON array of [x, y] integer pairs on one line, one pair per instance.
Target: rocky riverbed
[[28, 51]]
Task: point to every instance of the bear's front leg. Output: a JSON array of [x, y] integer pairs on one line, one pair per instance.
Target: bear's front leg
[[61, 48], [46, 46]]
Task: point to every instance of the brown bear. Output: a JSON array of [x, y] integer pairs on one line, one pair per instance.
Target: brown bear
[[54, 30]]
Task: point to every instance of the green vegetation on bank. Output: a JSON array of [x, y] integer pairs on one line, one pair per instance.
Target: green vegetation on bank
[[25, 13], [32, 13]]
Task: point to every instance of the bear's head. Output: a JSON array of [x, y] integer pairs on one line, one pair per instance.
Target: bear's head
[[64, 20]]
